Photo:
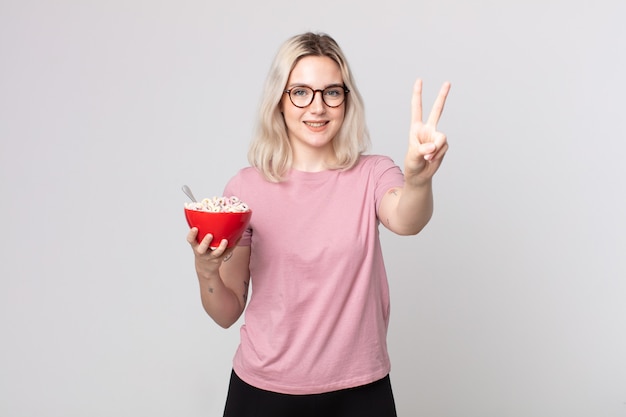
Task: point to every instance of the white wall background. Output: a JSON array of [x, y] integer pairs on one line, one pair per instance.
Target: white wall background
[[512, 303]]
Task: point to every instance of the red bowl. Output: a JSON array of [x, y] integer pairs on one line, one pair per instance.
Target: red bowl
[[222, 225]]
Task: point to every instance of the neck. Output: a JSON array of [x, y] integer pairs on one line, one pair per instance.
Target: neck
[[313, 159], [313, 164]]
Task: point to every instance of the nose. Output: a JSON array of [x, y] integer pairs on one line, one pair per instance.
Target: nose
[[317, 105]]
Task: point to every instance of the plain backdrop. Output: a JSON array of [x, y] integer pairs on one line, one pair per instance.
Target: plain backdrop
[[512, 301]]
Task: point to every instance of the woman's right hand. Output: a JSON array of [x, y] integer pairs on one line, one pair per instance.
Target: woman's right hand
[[223, 286], [208, 260]]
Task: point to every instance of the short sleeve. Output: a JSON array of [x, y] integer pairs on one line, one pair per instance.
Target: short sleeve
[[387, 175]]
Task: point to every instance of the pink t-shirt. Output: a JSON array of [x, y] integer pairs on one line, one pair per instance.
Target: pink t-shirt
[[318, 313]]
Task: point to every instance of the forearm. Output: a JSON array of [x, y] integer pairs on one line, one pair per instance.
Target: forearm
[[221, 303], [414, 208]]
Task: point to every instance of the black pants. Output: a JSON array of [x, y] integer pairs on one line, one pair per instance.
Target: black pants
[[371, 400]]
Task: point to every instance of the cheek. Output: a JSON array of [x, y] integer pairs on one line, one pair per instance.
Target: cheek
[[341, 116], [290, 113]]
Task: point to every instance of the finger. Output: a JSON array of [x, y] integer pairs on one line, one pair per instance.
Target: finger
[[435, 113], [204, 245], [191, 236], [441, 152], [221, 248], [416, 102], [427, 150], [439, 139]]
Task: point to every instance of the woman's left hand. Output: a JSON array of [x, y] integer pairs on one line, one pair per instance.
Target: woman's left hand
[[427, 146]]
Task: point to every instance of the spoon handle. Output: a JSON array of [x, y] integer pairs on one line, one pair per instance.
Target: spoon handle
[[189, 194]]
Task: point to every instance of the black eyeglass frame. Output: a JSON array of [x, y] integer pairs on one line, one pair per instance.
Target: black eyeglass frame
[[345, 90]]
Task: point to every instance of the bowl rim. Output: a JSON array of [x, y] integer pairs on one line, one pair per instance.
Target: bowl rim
[[218, 212]]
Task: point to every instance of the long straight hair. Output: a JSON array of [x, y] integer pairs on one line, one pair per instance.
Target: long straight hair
[[270, 151]]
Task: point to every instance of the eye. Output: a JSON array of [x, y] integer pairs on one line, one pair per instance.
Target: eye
[[300, 92], [334, 92]]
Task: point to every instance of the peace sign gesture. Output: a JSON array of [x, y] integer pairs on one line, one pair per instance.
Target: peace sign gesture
[[427, 146]]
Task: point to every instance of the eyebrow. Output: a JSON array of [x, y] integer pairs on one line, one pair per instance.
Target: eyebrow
[[306, 85]]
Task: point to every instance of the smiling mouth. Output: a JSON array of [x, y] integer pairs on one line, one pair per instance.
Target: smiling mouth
[[315, 124]]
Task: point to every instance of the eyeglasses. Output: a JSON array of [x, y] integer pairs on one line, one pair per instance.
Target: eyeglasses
[[303, 96]]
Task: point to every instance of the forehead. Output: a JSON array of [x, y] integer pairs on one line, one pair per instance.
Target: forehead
[[316, 71]]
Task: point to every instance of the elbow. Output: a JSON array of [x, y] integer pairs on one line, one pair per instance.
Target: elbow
[[224, 313], [225, 323], [411, 229]]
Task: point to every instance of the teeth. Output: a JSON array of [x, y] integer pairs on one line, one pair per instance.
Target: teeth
[[315, 124]]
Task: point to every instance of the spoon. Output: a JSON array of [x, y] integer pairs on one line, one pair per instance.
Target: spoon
[[189, 194]]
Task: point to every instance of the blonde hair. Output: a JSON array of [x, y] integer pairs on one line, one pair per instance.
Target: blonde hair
[[270, 151]]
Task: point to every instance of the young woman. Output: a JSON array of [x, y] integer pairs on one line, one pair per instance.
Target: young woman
[[314, 338]]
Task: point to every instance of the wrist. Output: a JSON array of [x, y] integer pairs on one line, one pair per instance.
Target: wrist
[[207, 274], [417, 183]]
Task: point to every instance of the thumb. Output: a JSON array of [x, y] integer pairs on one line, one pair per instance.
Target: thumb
[[427, 148]]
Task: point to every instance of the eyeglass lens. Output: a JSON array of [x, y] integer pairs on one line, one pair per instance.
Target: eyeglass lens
[[304, 96]]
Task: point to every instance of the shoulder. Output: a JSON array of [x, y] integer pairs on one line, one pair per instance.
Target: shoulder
[[374, 159], [245, 177], [246, 174], [375, 163]]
